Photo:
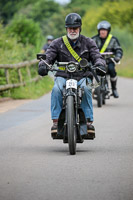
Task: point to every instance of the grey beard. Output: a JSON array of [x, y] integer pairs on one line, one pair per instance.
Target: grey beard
[[73, 37]]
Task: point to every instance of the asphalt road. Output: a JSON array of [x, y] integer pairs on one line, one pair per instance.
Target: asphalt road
[[35, 167]]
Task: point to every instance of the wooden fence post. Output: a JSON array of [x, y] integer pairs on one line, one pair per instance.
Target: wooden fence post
[[7, 79], [20, 75], [7, 76], [28, 71]]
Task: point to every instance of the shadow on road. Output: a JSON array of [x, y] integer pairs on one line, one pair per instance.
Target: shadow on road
[[63, 149]]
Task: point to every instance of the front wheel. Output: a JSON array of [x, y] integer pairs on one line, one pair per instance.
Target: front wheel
[[99, 96], [104, 102], [103, 99], [71, 125]]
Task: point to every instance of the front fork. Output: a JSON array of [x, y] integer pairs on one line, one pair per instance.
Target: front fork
[[104, 85], [77, 94], [70, 92]]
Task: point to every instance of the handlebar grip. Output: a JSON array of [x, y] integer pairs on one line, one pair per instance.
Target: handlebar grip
[[61, 63]]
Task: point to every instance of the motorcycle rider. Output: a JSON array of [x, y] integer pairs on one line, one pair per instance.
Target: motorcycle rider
[[85, 48], [49, 38], [108, 43]]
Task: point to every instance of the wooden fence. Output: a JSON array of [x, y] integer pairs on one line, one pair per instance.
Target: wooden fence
[[18, 66]]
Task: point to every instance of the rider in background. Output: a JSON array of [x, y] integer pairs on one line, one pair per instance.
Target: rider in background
[[50, 38], [85, 48], [108, 43]]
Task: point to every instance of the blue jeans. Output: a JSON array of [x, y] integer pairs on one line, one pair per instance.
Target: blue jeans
[[56, 97]]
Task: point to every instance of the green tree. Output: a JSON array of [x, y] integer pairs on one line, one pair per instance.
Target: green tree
[[25, 30], [9, 7], [118, 13]]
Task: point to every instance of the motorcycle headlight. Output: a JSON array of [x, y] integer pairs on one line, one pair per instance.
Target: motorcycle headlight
[[71, 67]]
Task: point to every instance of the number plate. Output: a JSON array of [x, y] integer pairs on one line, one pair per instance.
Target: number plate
[[71, 83]]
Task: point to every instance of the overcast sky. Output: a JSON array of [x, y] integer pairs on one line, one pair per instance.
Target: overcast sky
[[62, 1]]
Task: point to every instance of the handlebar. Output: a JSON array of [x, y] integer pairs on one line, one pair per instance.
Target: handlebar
[[89, 65], [70, 66], [107, 53], [65, 63], [110, 55]]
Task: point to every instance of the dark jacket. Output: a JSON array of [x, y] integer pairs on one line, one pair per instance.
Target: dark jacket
[[114, 45], [85, 48]]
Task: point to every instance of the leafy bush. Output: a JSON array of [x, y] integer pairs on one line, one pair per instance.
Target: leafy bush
[[25, 30], [12, 52]]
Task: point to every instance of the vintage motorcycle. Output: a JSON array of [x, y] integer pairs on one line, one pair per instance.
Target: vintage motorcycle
[[103, 91], [72, 122]]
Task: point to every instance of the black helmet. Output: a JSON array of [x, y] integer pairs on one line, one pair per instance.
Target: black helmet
[[104, 25], [73, 20], [50, 37]]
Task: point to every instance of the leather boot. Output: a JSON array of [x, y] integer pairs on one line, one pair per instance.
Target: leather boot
[[90, 130], [114, 89], [54, 127]]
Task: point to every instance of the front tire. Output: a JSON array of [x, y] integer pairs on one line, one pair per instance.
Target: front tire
[[71, 125], [99, 97], [103, 99]]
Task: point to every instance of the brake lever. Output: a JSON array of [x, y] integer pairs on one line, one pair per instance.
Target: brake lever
[[115, 62], [94, 74], [49, 66]]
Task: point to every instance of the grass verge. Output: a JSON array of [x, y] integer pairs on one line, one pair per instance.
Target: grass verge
[[125, 69], [31, 90]]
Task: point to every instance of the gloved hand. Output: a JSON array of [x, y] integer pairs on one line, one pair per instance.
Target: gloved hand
[[117, 59], [42, 70], [100, 70]]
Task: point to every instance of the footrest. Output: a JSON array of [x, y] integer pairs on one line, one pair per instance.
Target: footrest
[[57, 137], [80, 140], [89, 137]]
